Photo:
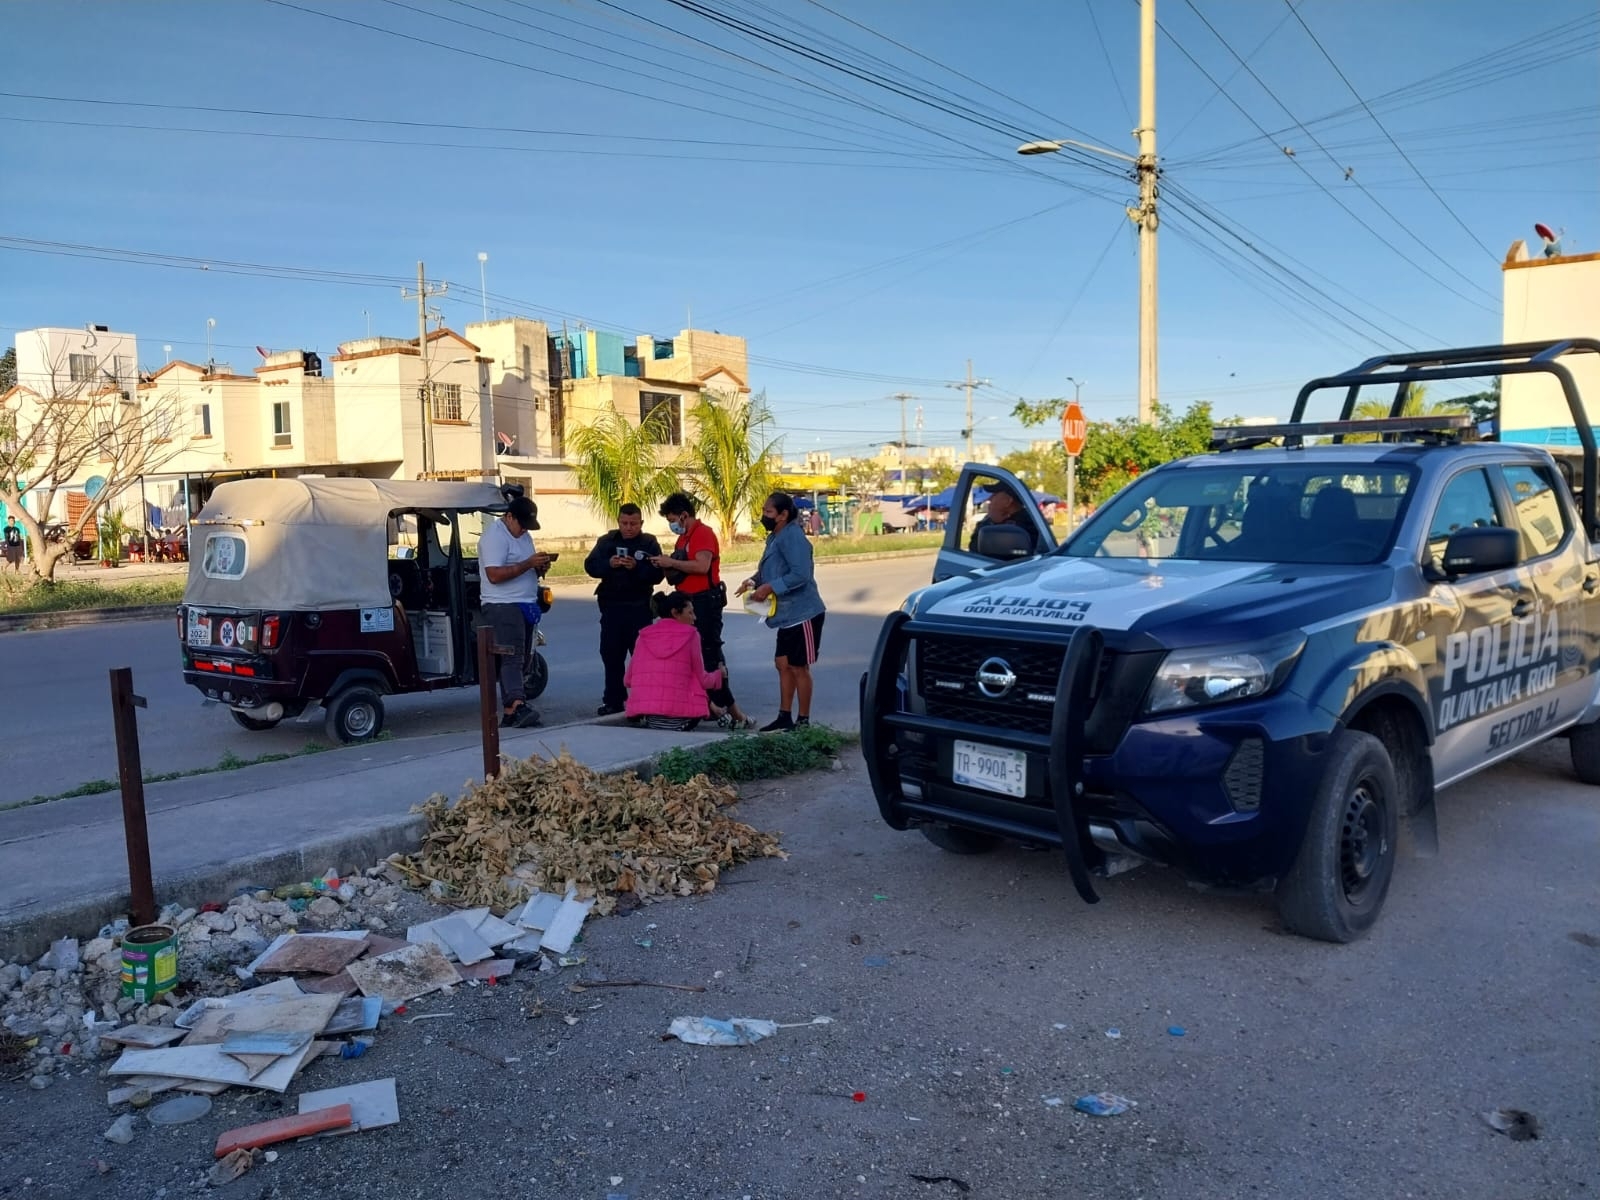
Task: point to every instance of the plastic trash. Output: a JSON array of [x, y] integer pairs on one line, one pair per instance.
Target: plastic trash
[[710, 1031], [1113, 1033], [1516, 1124], [875, 960], [1052, 1101], [1103, 1104], [356, 1047], [1176, 1030], [180, 1111]]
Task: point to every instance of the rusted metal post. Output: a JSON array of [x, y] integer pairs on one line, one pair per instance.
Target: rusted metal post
[[488, 705], [130, 773]]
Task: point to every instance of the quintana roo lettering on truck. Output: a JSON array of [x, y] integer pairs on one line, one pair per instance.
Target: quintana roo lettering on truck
[[1498, 664], [1046, 608]]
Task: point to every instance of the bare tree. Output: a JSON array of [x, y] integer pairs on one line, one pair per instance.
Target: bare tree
[[50, 444]]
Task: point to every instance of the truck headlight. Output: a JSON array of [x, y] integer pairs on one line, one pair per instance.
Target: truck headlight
[[1220, 674]]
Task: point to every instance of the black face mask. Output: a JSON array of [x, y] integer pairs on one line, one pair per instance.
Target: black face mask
[[769, 523]]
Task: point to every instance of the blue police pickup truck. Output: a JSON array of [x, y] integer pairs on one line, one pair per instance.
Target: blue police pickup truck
[[1252, 664]]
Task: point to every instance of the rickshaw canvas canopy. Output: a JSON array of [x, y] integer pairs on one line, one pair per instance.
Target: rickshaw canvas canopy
[[310, 543]]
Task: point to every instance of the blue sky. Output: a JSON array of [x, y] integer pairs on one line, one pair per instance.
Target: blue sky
[[878, 238]]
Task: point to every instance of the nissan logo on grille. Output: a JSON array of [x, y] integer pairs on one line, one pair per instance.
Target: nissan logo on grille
[[996, 678]]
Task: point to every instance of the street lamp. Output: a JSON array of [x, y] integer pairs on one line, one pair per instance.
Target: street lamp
[[483, 287], [1144, 214]]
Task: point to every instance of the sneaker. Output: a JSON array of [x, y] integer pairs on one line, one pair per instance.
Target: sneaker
[[801, 722], [783, 724], [606, 710], [525, 717], [508, 718]]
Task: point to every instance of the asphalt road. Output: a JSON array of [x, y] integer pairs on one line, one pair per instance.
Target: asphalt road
[[56, 727], [965, 994]]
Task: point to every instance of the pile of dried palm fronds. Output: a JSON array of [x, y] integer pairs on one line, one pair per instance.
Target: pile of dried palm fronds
[[551, 824]]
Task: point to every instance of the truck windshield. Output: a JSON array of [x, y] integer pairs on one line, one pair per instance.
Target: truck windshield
[[1304, 512]]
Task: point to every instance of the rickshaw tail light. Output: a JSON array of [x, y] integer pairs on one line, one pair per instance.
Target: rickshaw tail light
[[269, 632]]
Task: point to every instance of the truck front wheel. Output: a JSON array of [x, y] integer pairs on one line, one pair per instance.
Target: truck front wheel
[[1338, 882], [960, 841], [1584, 744]]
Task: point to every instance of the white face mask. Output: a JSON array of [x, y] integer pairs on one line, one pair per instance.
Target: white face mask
[[676, 527]]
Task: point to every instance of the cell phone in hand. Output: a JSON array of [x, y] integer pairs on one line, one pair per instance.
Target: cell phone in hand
[[553, 557]]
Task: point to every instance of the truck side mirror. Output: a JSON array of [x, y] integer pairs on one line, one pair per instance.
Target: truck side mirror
[[1480, 550], [1003, 542]]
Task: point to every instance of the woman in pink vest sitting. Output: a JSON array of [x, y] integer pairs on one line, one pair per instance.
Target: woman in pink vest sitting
[[666, 677]]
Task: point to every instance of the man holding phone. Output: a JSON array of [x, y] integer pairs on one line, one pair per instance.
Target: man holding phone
[[509, 571], [623, 560]]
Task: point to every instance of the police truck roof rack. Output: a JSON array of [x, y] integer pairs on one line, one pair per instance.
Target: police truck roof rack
[[1425, 366], [1443, 427]]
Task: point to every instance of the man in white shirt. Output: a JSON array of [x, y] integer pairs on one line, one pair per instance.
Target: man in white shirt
[[509, 571]]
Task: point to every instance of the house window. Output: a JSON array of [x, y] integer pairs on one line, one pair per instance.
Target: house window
[[446, 400], [282, 432], [669, 424], [81, 368], [104, 437], [202, 420], [121, 366]]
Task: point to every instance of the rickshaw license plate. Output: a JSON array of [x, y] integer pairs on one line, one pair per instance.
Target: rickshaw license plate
[[991, 768], [199, 629]]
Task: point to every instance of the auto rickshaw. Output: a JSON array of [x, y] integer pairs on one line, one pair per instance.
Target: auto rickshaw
[[336, 592]]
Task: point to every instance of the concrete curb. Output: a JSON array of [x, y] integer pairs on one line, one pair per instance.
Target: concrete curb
[[361, 847], [25, 622]]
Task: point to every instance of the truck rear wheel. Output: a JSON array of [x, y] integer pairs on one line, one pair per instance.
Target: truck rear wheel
[[355, 715], [960, 841], [1337, 885], [1584, 744]]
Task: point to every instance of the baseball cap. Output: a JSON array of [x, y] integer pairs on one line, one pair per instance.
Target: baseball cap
[[526, 512]]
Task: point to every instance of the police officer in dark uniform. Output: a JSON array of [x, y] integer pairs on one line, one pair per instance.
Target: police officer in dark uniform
[[622, 560]]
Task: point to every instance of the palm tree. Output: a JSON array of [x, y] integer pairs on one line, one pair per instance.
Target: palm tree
[[616, 462], [1416, 404], [729, 463]]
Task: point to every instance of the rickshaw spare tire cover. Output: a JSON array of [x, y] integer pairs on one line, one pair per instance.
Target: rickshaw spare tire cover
[[311, 543]]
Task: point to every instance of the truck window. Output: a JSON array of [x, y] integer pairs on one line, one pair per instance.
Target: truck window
[[1467, 503], [1304, 513], [1541, 517]]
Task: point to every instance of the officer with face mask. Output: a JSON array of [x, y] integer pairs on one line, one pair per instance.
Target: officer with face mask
[[788, 572]]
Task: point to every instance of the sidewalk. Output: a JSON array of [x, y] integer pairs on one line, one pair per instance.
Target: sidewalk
[[64, 867]]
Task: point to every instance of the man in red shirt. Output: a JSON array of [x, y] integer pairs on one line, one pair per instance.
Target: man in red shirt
[[693, 568]]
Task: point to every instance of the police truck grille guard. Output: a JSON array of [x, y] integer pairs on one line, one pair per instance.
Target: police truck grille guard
[[1070, 687]]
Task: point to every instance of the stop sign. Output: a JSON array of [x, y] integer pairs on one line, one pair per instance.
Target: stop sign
[[1073, 428]]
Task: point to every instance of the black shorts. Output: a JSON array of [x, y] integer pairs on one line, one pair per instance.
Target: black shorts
[[800, 643]]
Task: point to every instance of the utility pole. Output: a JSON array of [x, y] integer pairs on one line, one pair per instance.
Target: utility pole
[[422, 294], [969, 384], [902, 397], [1145, 215]]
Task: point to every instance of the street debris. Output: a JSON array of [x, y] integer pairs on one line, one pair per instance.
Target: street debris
[[1516, 1124], [121, 1131], [249, 1137], [404, 974], [709, 1031], [1177, 1030], [230, 1168], [1103, 1104], [372, 1104], [584, 985], [554, 825], [180, 1111]]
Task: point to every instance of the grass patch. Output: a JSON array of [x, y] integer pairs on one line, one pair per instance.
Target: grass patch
[[30, 596], [228, 762], [754, 756]]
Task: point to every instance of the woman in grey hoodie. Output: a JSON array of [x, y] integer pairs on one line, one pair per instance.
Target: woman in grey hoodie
[[787, 571]]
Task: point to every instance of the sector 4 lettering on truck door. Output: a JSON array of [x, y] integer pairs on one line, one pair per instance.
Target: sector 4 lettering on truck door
[[1048, 608], [1498, 665]]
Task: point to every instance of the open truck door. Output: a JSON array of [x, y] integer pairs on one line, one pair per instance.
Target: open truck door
[[972, 542]]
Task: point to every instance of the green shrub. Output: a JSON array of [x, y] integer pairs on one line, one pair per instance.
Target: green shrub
[[753, 756]]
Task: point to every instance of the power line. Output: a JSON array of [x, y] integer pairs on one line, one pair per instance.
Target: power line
[[1307, 171], [1116, 80], [1367, 108]]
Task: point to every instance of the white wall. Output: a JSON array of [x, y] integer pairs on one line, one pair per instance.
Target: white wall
[[44, 359]]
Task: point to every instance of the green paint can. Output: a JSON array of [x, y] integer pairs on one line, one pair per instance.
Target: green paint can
[[149, 962]]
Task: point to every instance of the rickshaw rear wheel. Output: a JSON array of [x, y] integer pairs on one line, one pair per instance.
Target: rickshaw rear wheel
[[254, 724], [536, 677], [355, 715]]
